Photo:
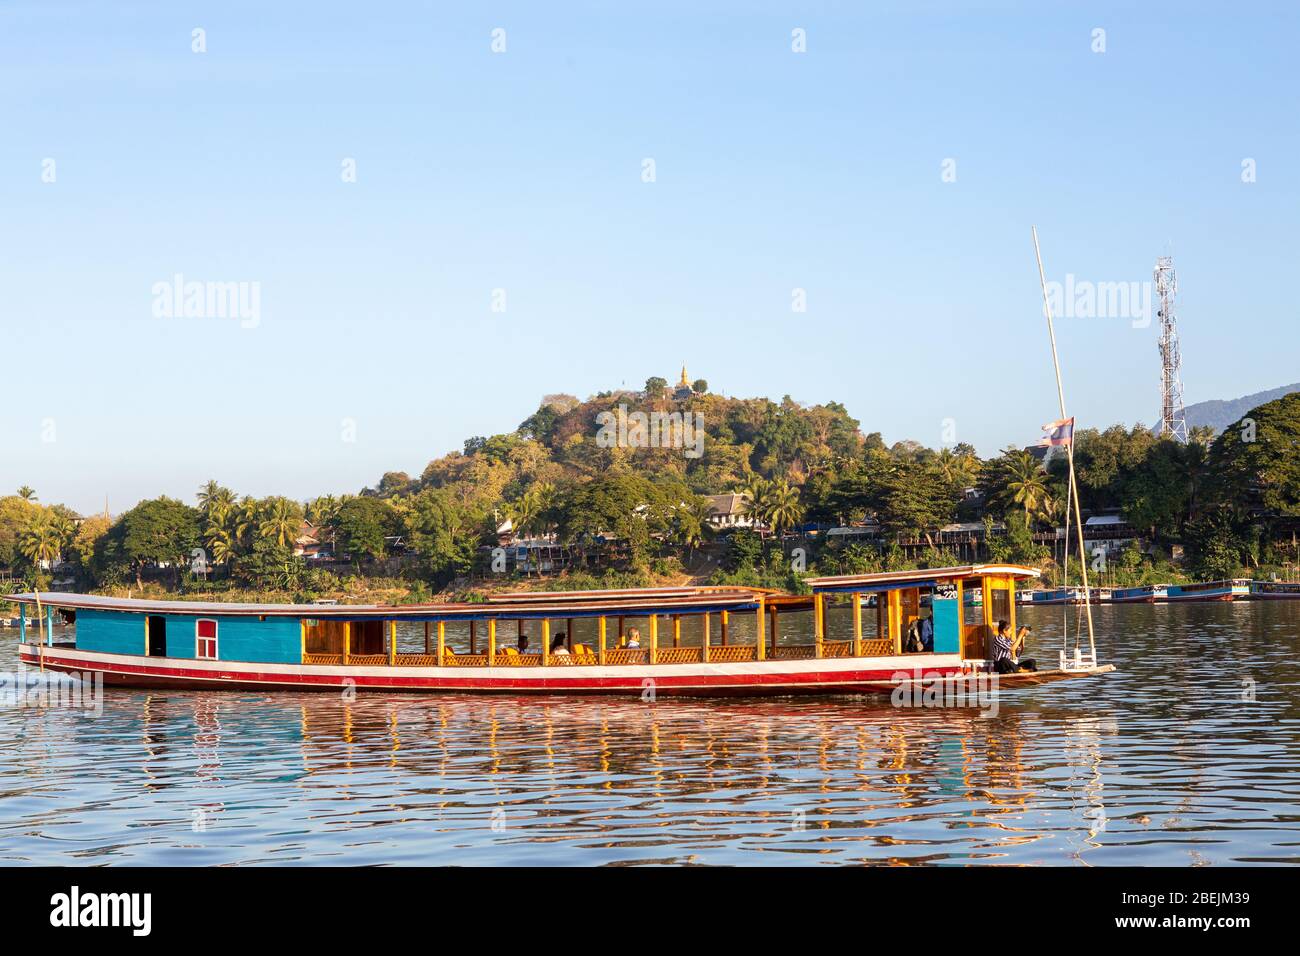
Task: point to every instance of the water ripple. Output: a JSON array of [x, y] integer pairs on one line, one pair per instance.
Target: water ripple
[[1187, 755]]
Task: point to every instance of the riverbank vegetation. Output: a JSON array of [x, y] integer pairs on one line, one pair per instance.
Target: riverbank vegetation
[[627, 516]]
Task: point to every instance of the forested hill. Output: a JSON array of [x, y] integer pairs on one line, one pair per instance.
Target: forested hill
[[1219, 414], [621, 477]]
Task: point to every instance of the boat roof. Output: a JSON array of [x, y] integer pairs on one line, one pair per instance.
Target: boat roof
[[588, 604], [883, 580], [627, 602]]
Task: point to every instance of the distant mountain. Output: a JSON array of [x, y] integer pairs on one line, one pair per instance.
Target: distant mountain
[[1220, 414]]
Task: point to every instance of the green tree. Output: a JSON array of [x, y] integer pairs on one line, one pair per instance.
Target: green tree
[[445, 531], [361, 526], [160, 531]]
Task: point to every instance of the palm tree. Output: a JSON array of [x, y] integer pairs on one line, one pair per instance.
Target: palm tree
[[691, 522], [215, 501], [27, 493], [1026, 483], [41, 541], [957, 470], [323, 510], [280, 523], [246, 517], [759, 492], [782, 509], [221, 542]]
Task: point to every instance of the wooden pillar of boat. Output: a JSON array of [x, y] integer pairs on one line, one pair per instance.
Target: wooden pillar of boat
[[819, 621], [882, 625], [302, 634], [724, 628], [896, 619], [492, 641], [600, 640], [442, 640], [620, 630], [427, 649], [654, 637], [759, 622], [774, 630], [392, 643], [984, 646], [961, 618], [22, 625], [1011, 602], [677, 630], [473, 637], [49, 626], [546, 642], [857, 623], [568, 634], [704, 640], [347, 640]]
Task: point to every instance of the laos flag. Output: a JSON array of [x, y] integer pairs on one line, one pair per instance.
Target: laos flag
[[1058, 433]]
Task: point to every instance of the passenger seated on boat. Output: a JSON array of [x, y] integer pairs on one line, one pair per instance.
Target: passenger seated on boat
[[523, 643], [1028, 664], [912, 644], [927, 634], [557, 646], [1001, 650], [633, 639]]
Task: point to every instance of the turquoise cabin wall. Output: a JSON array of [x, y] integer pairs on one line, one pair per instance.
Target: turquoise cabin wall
[[277, 640], [947, 625], [110, 632]]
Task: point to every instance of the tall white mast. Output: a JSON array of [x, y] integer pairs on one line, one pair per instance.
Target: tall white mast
[[1069, 449]]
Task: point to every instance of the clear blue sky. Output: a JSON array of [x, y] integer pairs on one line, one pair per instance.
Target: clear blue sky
[[522, 171]]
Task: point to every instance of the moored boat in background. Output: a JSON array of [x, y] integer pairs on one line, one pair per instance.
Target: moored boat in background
[[1275, 590], [1228, 590], [1143, 594], [1056, 596]]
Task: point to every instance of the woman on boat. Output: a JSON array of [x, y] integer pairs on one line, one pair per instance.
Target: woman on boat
[[1002, 661], [1028, 664], [557, 646]]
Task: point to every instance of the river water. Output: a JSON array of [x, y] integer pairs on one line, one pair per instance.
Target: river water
[[1189, 754]]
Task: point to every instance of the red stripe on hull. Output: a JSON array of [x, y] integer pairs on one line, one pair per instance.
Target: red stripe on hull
[[806, 682]]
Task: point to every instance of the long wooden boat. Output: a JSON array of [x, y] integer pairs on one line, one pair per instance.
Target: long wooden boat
[[1210, 591], [1055, 596], [1144, 594], [1275, 591], [524, 643]]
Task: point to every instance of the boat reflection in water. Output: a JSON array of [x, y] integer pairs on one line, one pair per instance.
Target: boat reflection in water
[[595, 780]]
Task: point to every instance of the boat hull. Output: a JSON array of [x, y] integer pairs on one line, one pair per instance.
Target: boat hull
[[755, 678]]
